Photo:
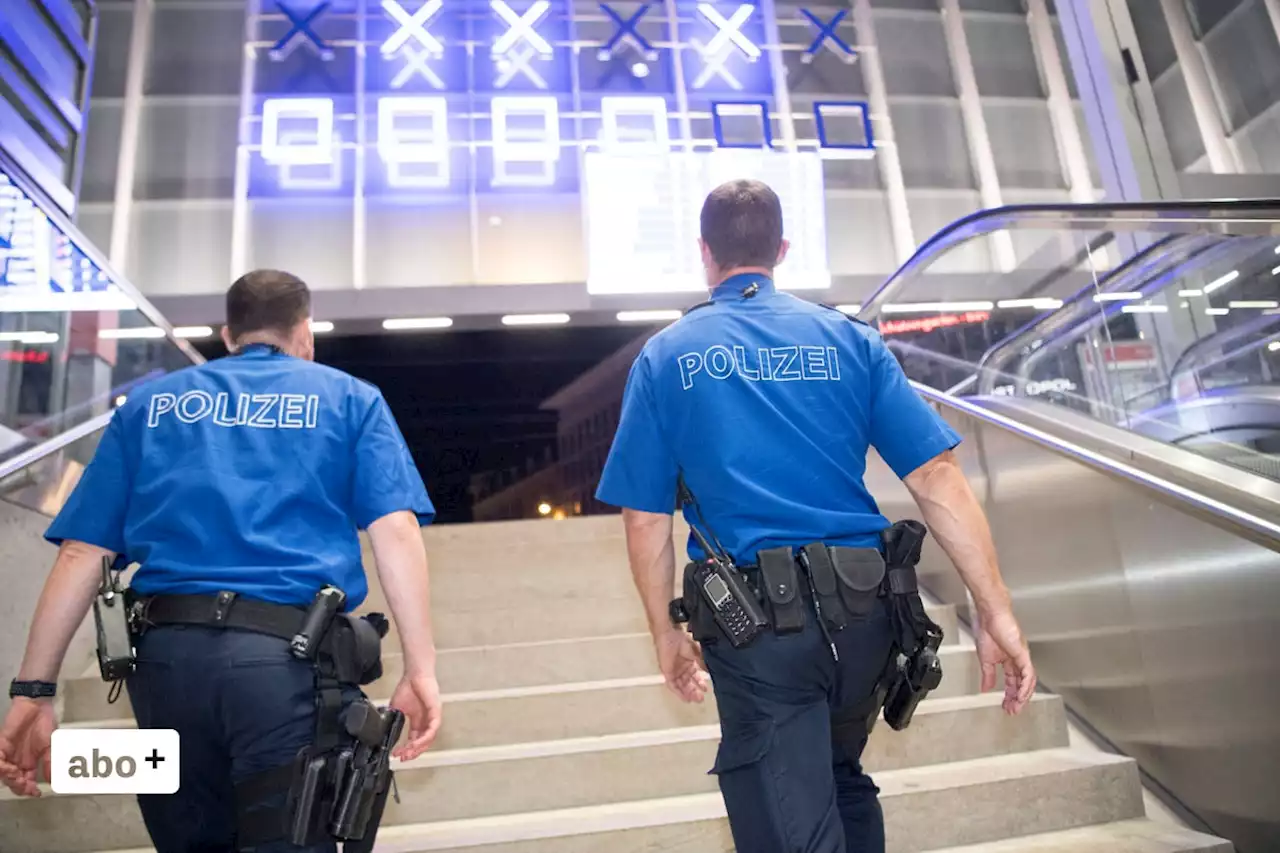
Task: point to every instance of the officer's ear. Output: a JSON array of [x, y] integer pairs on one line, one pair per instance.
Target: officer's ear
[[228, 340], [305, 340], [783, 248], [708, 260]]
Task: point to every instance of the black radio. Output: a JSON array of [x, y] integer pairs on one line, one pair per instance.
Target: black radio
[[737, 610], [111, 621], [733, 604]]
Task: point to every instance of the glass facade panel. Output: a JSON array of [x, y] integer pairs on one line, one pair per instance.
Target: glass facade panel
[[478, 146]]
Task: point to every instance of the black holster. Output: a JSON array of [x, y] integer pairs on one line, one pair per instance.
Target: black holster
[[913, 668], [297, 802]]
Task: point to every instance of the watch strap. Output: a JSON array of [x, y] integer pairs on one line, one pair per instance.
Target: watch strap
[[32, 689]]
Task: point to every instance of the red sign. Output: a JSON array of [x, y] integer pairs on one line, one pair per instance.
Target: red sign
[[929, 324], [29, 356], [1129, 355]]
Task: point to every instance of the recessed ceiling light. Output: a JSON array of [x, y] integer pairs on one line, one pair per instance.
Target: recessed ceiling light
[[1042, 303], [926, 307], [402, 323], [535, 319], [1219, 282], [29, 337], [654, 316], [133, 334]]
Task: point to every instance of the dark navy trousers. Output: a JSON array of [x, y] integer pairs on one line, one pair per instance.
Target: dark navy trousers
[[787, 786], [241, 704]]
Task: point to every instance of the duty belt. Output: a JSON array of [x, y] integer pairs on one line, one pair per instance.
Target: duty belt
[[352, 653]]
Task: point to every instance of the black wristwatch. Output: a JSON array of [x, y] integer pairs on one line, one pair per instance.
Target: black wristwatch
[[32, 689]]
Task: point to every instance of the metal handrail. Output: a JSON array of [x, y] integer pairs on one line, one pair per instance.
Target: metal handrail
[[53, 445], [1259, 525], [1256, 217]]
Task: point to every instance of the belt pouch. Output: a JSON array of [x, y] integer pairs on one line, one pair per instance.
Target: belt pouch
[[861, 573], [823, 576], [781, 587], [702, 621], [363, 644]]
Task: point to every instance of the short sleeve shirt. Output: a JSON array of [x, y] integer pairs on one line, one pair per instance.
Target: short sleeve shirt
[[768, 405], [253, 473]]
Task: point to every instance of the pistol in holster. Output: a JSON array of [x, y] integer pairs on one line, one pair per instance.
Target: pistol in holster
[[337, 787], [343, 795], [915, 669]]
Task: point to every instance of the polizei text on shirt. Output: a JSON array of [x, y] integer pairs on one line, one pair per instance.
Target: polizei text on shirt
[[260, 411]]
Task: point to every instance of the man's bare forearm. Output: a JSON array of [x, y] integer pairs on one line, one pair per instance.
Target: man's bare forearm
[[653, 563], [64, 602], [401, 559], [956, 519]]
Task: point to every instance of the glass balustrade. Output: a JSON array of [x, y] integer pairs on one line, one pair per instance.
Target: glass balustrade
[[1163, 320]]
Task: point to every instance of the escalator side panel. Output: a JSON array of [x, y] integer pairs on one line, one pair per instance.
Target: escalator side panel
[[25, 559], [1158, 626]]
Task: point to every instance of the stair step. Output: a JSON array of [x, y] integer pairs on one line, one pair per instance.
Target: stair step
[[440, 538], [1126, 836], [577, 709], [968, 802], [640, 765], [485, 781]]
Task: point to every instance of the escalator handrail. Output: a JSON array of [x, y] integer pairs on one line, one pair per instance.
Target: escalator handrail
[[1268, 530], [36, 452], [1258, 217], [63, 223], [45, 448]]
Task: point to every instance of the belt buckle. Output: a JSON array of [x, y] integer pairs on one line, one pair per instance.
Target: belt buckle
[[221, 605]]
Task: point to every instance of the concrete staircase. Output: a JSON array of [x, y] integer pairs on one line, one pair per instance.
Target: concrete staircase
[[559, 736]]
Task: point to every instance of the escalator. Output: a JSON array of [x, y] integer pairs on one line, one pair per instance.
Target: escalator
[[75, 340], [1119, 395]]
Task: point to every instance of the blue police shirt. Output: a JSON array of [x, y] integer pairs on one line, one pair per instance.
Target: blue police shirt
[[252, 473], [768, 405]]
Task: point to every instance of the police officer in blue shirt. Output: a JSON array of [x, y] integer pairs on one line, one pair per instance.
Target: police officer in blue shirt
[[765, 406], [235, 485]]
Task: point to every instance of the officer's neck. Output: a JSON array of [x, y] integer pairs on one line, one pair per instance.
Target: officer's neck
[[725, 275], [280, 342]]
